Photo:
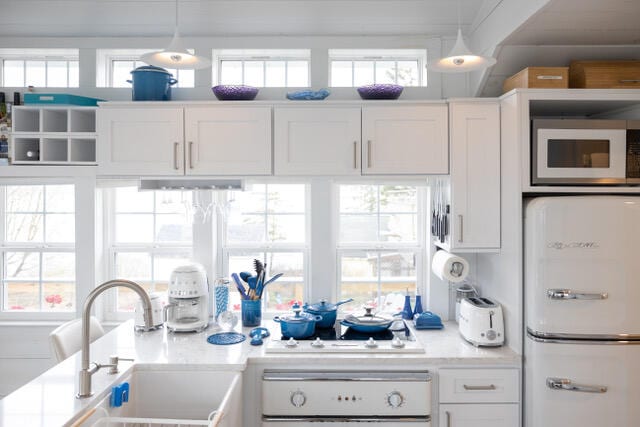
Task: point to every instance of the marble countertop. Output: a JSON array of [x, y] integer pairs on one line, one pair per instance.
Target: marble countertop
[[50, 398]]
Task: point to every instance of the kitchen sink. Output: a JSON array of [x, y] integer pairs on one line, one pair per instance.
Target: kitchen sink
[[174, 398]]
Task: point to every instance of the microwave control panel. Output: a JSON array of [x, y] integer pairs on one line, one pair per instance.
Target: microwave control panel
[[633, 153]]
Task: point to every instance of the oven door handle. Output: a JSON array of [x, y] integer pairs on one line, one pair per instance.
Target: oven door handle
[[321, 419]]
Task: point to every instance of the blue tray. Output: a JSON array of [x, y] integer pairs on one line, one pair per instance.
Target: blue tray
[[226, 338], [60, 99]]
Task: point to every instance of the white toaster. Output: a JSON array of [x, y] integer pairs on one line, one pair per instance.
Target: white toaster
[[481, 322]]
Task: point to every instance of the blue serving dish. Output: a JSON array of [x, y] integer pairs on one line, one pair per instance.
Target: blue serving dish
[[428, 320], [60, 99], [380, 91], [308, 95], [235, 92]]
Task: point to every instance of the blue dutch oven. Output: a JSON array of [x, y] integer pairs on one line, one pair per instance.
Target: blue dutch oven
[[300, 325], [327, 310], [151, 84]]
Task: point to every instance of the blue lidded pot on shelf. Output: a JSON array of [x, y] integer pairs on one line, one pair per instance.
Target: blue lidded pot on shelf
[[151, 83]]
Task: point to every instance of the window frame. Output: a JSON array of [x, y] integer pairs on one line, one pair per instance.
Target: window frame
[[105, 59], [264, 55], [84, 250], [225, 250], [379, 55], [47, 55], [420, 248]]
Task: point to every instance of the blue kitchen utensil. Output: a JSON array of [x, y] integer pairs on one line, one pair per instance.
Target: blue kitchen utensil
[[239, 285], [299, 326], [327, 310], [257, 335], [244, 275], [226, 338]]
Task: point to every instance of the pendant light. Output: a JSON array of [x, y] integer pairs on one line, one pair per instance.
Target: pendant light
[[461, 59], [176, 54]]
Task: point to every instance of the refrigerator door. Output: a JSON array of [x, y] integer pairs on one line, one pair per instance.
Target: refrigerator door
[[586, 385], [582, 271]]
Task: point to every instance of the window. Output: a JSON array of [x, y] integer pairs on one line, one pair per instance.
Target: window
[[380, 244], [352, 68], [39, 67], [150, 235], [269, 222], [114, 68], [262, 68], [38, 248]]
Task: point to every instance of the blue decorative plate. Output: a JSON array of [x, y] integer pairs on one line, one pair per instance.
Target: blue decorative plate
[[226, 338]]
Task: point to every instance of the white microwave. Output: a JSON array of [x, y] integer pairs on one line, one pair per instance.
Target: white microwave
[[585, 152]]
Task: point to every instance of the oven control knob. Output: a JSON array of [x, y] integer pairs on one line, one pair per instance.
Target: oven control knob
[[395, 399], [298, 398]]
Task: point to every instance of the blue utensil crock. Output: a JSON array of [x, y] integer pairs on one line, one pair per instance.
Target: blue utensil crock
[[251, 312]]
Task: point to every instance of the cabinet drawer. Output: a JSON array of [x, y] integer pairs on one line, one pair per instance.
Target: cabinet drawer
[[479, 385]]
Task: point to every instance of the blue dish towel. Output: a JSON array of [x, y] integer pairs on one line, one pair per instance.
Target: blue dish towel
[[428, 320]]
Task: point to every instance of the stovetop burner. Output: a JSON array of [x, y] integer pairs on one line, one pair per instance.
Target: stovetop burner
[[399, 338]]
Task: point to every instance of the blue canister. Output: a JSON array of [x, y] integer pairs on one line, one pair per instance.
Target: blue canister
[[407, 312], [251, 312], [151, 84]]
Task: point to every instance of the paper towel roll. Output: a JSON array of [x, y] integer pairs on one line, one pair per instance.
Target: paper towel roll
[[449, 267]]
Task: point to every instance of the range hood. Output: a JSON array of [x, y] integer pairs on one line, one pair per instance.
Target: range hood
[[190, 184]]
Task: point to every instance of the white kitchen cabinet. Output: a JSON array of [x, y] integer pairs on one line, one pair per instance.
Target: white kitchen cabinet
[[140, 141], [209, 140], [405, 140], [317, 141], [470, 197], [228, 141], [479, 415], [479, 397]]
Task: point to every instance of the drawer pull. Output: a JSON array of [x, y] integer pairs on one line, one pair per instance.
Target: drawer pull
[[175, 156], [369, 154], [355, 154], [448, 414], [479, 387], [630, 81], [190, 154], [568, 385]]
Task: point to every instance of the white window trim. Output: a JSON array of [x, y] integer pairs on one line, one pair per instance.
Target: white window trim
[[46, 55], [264, 55], [376, 55], [84, 246]]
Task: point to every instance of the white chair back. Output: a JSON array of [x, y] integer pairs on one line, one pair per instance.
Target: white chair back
[[66, 339]]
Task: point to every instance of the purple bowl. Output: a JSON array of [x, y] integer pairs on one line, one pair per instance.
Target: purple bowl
[[235, 93], [380, 91]]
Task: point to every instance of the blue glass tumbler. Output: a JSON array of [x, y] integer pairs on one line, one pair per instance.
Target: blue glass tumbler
[[251, 312]]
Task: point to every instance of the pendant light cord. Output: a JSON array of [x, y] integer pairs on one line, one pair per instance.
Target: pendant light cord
[[459, 27], [176, 27]]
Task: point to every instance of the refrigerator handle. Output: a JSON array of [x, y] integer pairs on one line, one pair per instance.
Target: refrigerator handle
[[564, 294], [568, 385]]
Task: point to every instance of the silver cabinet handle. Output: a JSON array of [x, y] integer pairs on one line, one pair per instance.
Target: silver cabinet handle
[[461, 221], [630, 81], [176, 166], [568, 385], [448, 415], [564, 294], [479, 387], [355, 154], [369, 153], [190, 154]]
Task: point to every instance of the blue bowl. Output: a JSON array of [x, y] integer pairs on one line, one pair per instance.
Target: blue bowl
[[380, 91], [235, 92]]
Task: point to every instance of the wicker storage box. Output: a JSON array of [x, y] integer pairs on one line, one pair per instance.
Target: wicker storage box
[[538, 77], [604, 74]]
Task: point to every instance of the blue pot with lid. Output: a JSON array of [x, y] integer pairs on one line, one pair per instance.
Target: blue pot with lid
[[299, 325], [328, 311], [151, 83]]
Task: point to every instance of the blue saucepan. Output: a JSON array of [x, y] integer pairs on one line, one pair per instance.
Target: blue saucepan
[[327, 310], [300, 325]]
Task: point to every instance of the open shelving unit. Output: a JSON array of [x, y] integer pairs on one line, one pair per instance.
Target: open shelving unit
[[54, 135]]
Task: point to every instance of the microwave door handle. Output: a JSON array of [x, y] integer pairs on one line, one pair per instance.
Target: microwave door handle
[[566, 294], [568, 385]]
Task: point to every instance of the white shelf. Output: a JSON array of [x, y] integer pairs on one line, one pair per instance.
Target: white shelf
[[54, 135]]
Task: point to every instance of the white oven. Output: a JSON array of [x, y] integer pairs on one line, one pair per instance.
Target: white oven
[[585, 152], [341, 398]]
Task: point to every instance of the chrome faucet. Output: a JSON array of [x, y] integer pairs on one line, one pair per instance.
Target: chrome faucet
[[88, 369]]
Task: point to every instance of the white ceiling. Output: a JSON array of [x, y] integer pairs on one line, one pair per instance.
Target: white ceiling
[[105, 18]]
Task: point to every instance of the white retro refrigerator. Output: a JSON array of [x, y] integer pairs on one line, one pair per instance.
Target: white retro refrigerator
[[582, 311]]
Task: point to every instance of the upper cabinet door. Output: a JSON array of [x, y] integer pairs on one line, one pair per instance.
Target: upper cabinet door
[[228, 140], [405, 140], [140, 141], [317, 141], [475, 175]]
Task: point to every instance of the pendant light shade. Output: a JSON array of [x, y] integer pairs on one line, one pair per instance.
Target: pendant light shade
[[461, 60], [176, 54]]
